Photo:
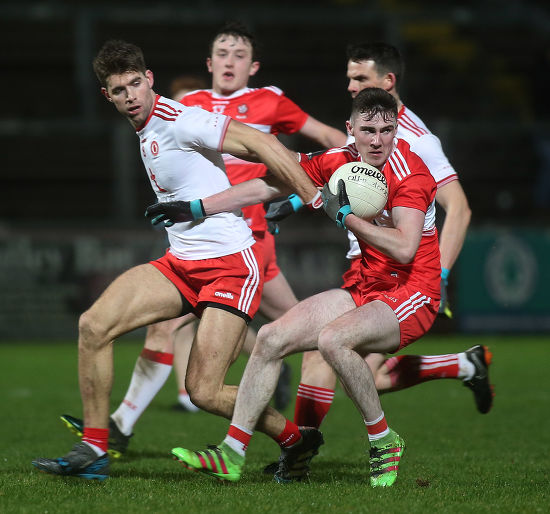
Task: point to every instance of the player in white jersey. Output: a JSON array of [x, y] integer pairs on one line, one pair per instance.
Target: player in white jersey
[[211, 268], [232, 61], [381, 65]]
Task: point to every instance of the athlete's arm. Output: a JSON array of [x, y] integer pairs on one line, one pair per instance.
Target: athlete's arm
[[457, 218], [325, 135], [244, 141], [399, 242], [250, 192]]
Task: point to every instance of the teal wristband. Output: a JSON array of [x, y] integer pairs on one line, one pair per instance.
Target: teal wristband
[[296, 202], [197, 210], [341, 216], [445, 275]]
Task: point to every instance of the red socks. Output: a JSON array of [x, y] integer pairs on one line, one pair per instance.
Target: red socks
[[408, 370], [312, 405], [289, 436], [97, 437]]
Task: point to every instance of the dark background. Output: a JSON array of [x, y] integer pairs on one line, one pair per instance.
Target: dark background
[[476, 72]]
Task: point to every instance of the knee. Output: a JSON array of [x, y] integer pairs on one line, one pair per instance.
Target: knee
[[91, 332], [328, 343], [270, 344], [202, 394]]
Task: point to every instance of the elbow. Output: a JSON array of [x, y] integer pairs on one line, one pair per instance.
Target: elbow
[[406, 255]]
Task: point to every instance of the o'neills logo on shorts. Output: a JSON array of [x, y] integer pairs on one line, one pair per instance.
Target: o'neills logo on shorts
[[224, 295]]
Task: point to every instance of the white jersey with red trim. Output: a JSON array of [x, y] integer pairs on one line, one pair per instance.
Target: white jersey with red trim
[[423, 143], [410, 184], [180, 148], [266, 109]]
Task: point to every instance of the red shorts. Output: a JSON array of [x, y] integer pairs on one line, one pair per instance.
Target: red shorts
[[234, 281], [266, 244], [350, 276], [415, 310]]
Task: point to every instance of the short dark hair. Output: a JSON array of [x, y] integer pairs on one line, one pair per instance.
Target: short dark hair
[[373, 101], [387, 58], [116, 57], [237, 29]]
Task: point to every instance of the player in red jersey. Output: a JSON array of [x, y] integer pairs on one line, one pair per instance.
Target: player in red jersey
[[391, 302], [381, 65], [212, 268]]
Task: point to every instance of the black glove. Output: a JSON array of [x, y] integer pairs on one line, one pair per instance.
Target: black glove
[[336, 206], [169, 213], [281, 209]]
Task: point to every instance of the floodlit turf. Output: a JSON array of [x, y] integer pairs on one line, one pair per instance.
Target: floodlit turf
[[456, 459]]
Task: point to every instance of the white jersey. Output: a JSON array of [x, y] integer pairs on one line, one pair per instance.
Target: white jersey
[[424, 144], [180, 148]]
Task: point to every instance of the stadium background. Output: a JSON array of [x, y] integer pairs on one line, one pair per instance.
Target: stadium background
[[74, 189]]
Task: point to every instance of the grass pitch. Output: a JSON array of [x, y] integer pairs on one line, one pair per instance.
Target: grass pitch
[[456, 459]]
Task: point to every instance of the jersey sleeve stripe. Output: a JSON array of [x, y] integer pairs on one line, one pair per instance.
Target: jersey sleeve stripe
[[224, 132], [412, 126], [447, 180]]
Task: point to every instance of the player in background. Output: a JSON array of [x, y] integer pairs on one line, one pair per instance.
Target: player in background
[[381, 65], [391, 301], [233, 60], [212, 268]]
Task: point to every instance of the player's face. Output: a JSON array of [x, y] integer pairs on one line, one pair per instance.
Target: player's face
[[363, 74], [231, 64], [132, 94], [374, 138]]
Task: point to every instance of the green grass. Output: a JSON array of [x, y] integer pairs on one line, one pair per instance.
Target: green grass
[[456, 460]]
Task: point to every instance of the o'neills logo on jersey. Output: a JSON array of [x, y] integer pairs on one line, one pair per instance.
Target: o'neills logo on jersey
[[155, 148], [369, 172], [223, 295], [242, 109]]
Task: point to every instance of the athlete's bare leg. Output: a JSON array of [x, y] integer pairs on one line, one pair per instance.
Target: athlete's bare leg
[[277, 298], [376, 362], [343, 342], [139, 297], [160, 336], [295, 331]]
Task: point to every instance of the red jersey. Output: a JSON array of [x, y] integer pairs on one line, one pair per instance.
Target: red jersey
[[266, 109], [410, 184]]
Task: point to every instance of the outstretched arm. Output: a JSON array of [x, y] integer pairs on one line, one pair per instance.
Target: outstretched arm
[[244, 141], [250, 192]]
